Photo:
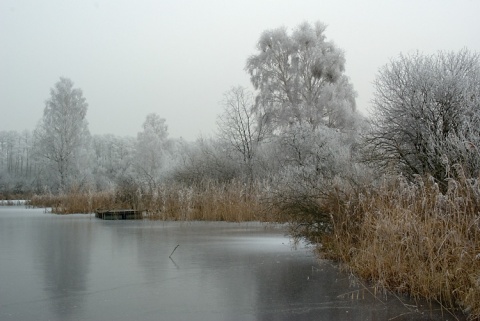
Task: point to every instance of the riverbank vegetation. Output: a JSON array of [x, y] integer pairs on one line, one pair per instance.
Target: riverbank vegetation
[[395, 197], [208, 201], [412, 238]]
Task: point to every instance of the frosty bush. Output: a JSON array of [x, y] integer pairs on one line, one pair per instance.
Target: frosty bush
[[204, 160], [318, 168], [426, 114]]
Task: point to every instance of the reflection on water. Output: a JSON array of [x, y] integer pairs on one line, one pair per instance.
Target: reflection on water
[[62, 251], [77, 267]]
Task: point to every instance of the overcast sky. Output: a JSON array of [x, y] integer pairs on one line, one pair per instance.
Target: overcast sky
[[176, 58]]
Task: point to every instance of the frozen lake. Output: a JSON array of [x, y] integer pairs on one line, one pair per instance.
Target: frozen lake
[[77, 267]]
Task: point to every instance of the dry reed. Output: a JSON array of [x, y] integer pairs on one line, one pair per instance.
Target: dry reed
[[411, 238], [75, 202], [209, 201]]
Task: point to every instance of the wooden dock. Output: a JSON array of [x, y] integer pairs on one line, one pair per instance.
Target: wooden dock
[[127, 214]]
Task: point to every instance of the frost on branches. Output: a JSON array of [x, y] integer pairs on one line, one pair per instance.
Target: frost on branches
[[426, 114], [300, 79]]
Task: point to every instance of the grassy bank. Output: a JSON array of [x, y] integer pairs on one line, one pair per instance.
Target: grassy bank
[[411, 238]]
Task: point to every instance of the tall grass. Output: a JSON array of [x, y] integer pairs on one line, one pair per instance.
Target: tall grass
[[208, 200], [75, 202], [413, 239]]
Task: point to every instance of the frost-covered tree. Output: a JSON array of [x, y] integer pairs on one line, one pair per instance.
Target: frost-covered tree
[[300, 79], [427, 114], [18, 170], [62, 134], [241, 128], [113, 158], [316, 166], [205, 160], [151, 148], [309, 104]]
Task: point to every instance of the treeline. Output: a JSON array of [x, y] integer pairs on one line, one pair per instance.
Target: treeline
[[395, 196], [18, 166]]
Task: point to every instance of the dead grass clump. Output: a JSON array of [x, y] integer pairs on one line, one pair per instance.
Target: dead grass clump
[[411, 238]]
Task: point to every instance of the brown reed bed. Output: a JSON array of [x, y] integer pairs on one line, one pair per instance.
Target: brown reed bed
[[208, 201], [412, 238], [75, 202]]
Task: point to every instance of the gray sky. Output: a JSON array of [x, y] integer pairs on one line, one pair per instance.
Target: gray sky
[[177, 58]]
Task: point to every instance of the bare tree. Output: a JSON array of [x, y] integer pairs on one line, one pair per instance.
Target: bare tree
[[426, 114], [241, 127]]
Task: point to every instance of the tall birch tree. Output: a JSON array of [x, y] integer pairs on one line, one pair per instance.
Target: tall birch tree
[[62, 134], [299, 78]]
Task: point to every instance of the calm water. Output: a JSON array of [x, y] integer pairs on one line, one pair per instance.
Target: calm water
[[77, 267]]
